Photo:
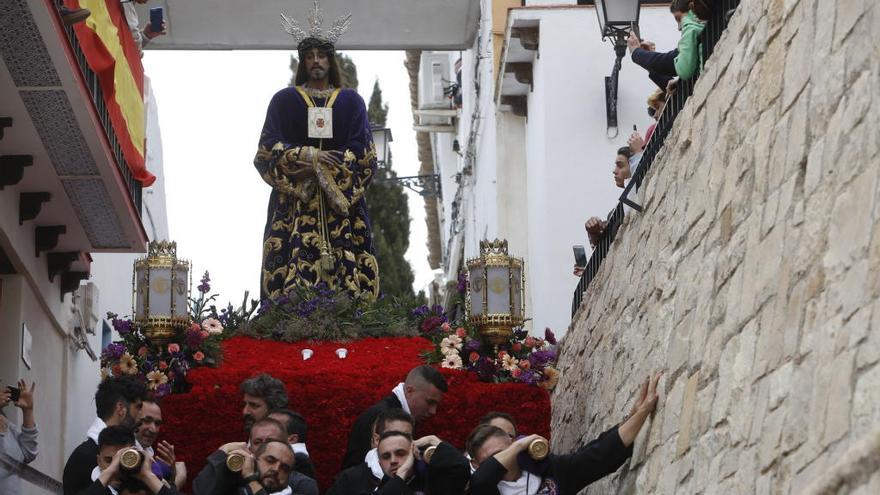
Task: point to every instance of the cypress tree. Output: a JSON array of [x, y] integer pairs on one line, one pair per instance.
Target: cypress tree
[[389, 215]]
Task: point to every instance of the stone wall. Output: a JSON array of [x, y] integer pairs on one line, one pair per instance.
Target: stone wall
[[753, 276]]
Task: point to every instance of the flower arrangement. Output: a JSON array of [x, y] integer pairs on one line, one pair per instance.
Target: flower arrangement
[[320, 313], [524, 358], [164, 367], [330, 393]]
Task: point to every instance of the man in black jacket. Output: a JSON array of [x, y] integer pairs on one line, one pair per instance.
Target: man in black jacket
[[118, 401], [419, 395], [365, 477], [297, 429], [216, 478], [108, 476], [499, 470]]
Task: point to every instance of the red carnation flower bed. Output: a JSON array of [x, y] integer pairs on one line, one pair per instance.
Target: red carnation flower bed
[[331, 393]]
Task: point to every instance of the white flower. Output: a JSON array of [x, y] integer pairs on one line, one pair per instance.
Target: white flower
[[509, 362], [452, 361], [450, 344], [212, 326]]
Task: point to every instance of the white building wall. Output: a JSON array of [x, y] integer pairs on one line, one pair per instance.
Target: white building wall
[[540, 203]]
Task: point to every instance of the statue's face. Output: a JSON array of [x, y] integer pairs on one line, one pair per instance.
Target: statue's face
[[317, 64]]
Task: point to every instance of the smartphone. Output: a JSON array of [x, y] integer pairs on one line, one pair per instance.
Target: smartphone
[[156, 19], [580, 255], [14, 393]]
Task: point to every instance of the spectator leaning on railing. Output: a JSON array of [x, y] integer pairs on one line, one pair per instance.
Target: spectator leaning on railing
[[684, 60], [141, 36]]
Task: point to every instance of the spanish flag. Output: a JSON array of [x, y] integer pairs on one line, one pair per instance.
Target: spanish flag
[[112, 54]]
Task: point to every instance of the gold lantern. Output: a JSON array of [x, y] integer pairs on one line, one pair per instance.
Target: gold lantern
[[495, 293], [161, 292]]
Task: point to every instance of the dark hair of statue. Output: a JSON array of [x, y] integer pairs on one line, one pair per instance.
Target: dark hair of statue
[[334, 77]]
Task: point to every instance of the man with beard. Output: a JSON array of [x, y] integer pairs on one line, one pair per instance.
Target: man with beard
[[118, 401], [260, 395], [267, 470], [316, 152], [148, 425], [216, 478]]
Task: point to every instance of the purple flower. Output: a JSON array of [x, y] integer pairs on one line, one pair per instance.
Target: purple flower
[[205, 286], [420, 312], [124, 327], [540, 359], [528, 376], [163, 390], [485, 369], [549, 336], [462, 282], [520, 333], [472, 345], [114, 351]]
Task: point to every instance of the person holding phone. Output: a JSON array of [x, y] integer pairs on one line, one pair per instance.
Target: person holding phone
[[19, 443], [156, 26]]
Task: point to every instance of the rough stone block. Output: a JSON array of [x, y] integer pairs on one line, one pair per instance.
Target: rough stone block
[[685, 423], [840, 397]]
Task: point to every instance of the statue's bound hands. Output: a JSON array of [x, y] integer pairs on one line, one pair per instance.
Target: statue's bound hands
[[330, 157]]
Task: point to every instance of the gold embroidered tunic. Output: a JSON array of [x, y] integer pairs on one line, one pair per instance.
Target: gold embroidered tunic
[[317, 227]]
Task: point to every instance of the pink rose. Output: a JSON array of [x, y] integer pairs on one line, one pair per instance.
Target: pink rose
[[195, 327], [525, 364], [530, 341], [172, 348], [143, 351], [461, 332], [199, 356], [204, 334], [445, 327], [474, 357], [163, 365], [516, 372]]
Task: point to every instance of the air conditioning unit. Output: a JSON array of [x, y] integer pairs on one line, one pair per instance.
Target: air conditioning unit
[[86, 302], [435, 75]]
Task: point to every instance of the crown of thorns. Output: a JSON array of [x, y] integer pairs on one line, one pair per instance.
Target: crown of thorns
[[316, 27]]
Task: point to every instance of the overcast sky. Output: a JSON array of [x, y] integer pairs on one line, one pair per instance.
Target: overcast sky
[[211, 109]]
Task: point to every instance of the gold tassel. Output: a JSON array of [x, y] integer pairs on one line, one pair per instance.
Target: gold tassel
[[327, 261]]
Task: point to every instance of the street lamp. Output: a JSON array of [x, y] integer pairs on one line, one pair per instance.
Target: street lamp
[[161, 292], [428, 186], [617, 19], [381, 138], [496, 286]]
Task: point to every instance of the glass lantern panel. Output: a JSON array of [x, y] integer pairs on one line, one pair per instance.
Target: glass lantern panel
[[516, 290], [600, 11], [621, 11], [476, 283], [499, 290], [180, 292], [140, 294], [160, 291]]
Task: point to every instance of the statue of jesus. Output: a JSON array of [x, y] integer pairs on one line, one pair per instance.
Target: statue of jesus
[[316, 151]]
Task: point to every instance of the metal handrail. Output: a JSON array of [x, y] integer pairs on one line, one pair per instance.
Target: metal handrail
[[29, 474], [674, 104], [91, 81]]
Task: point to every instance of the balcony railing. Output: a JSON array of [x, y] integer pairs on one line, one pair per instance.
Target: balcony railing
[[723, 9], [91, 81]]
